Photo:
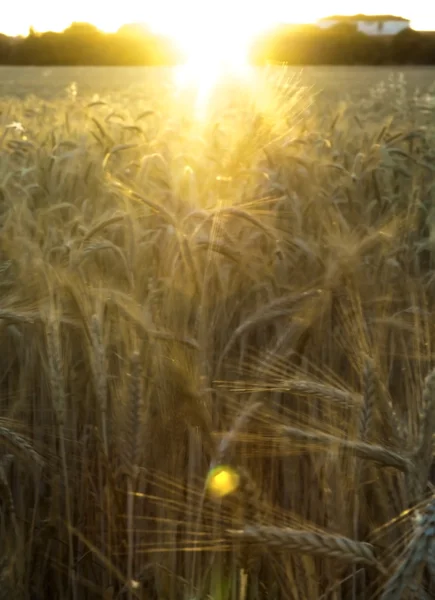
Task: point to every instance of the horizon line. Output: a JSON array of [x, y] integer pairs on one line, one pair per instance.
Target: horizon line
[[158, 32]]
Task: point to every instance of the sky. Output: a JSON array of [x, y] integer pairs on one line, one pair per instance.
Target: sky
[[179, 18]]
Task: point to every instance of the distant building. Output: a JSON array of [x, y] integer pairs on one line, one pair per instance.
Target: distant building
[[370, 25]]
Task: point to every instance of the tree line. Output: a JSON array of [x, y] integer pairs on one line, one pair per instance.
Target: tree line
[[83, 44], [342, 44]]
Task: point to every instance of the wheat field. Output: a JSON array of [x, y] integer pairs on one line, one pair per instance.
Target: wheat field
[[218, 374]]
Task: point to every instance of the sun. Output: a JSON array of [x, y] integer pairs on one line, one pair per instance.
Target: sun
[[215, 46], [212, 54], [210, 58]]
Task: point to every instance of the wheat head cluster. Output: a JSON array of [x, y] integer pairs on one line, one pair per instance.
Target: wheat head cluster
[[217, 368]]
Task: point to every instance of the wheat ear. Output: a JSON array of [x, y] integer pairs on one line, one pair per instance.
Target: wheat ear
[[383, 456], [423, 451], [19, 445], [305, 542], [301, 387]]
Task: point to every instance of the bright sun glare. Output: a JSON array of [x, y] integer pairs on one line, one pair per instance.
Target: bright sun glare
[[208, 63], [214, 50]]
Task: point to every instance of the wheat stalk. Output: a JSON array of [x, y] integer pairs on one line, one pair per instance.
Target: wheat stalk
[[365, 426], [98, 362], [56, 371], [131, 454], [224, 448], [6, 588], [5, 490], [369, 400], [59, 404]]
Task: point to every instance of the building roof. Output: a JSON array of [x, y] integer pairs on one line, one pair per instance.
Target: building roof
[[375, 18]]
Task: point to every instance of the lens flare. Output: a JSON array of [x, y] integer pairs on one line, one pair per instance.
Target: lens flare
[[221, 481]]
